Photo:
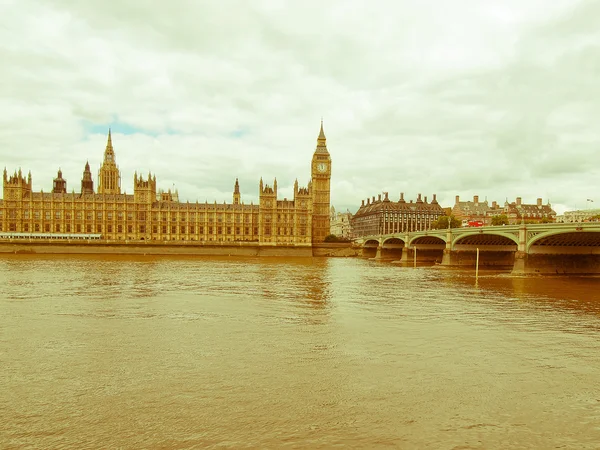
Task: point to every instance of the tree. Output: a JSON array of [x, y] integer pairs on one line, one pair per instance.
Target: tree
[[442, 223], [502, 219]]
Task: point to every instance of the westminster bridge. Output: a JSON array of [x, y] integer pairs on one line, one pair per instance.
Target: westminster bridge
[[526, 248]]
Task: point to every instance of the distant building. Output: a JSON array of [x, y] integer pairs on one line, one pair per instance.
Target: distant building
[[495, 210], [518, 211], [472, 211], [382, 216], [341, 223], [585, 215]]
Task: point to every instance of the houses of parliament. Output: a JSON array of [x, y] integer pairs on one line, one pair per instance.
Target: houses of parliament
[[148, 214]]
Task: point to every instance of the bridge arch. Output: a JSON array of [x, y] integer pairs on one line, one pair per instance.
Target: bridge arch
[[571, 237], [371, 243], [395, 242], [484, 237], [427, 240]]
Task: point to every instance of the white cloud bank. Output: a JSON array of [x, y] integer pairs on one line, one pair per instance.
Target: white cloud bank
[[496, 99]]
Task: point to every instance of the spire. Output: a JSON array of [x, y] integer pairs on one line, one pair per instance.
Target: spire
[[321, 141], [109, 153], [236, 192], [322, 133]]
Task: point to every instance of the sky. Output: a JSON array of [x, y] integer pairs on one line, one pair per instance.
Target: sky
[[463, 97]]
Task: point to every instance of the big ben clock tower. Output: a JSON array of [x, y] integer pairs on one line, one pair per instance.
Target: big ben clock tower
[[321, 178]]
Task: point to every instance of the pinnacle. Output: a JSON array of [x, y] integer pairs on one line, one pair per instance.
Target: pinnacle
[[321, 132]]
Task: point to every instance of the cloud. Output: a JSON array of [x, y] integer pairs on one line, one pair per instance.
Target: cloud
[[468, 97]]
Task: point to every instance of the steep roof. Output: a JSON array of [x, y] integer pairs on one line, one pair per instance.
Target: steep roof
[[401, 206]]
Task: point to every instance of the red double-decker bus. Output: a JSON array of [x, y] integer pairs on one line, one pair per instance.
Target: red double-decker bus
[[475, 223]]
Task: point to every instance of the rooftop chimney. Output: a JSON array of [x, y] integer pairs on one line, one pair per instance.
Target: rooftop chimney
[[379, 197], [419, 198], [425, 199], [476, 199], [402, 197], [494, 204], [373, 199], [434, 199], [539, 202], [457, 199], [363, 203], [518, 201], [368, 201]]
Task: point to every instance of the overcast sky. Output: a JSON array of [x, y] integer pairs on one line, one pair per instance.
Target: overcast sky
[[467, 97]]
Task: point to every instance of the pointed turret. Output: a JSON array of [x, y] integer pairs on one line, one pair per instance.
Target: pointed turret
[[109, 152], [59, 185], [87, 183], [321, 141], [236, 193], [109, 175], [322, 133]]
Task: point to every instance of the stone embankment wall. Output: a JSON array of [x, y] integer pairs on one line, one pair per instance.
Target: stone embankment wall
[[336, 250], [175, 248]]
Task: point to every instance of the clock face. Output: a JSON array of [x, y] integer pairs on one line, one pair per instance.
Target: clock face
[[321, 167]]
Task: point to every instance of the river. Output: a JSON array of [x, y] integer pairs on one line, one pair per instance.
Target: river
[[184, 352]]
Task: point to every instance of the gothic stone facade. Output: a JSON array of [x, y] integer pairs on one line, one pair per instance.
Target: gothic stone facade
[[150, 215], [340, 224]]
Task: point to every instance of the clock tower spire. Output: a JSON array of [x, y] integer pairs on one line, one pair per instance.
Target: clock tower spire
[[321, 180]]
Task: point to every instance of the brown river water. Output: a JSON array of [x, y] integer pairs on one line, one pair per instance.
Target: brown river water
[[177, 353]]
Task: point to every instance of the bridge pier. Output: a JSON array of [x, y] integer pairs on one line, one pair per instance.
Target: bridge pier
[[378, 253], [556, 264], [406, 259], [520, 266], [448, 258], [384, 253]]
